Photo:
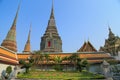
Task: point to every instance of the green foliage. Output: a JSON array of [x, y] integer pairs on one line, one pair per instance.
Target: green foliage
[[38, 58], [58, 60], [47, 57], [73, 58], [27, 65], [79, 67], [9, 69], [84, 63], [21, 62], [81, 64], [55, 75], [58, 67]]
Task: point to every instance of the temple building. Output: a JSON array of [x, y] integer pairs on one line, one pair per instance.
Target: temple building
[[112, 44], [51, 41]]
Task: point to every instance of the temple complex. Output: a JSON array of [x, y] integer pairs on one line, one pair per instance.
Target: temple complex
[[51, 43], [112, 44]]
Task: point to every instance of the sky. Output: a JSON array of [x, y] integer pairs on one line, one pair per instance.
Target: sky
[[77, 21]]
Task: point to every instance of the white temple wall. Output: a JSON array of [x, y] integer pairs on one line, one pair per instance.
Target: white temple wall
[[3, 67]]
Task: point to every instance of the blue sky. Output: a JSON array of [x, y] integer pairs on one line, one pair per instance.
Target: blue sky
[[77, 21]]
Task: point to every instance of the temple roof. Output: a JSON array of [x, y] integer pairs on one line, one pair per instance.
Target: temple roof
[[87, 47], [7, 56], [23, 56], [91, 57]]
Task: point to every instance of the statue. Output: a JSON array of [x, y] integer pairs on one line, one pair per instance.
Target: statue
[[3, 75], [106, 70], [12, 75]]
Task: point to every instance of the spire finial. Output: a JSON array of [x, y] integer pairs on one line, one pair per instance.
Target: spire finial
[[109, 27], [16, 16], [52, 3], [28, 41], [52, 11]]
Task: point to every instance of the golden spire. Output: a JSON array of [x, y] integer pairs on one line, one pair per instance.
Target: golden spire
[[27, 47]]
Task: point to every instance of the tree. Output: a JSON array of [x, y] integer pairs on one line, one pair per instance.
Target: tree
[[81, 64], [38, 58], [84, 64], [58, 60], [66, 59], [26, 64], [8, 71], [47, 57], [73, 59]]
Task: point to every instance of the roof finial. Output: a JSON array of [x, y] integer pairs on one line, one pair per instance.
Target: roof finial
[[84, 40], [88, 39]]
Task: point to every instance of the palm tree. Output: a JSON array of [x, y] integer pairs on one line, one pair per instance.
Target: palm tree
[[81, 64], [85, 64], [38, 58], [66, 59], [73, 59], [47, 57], [58, 60]]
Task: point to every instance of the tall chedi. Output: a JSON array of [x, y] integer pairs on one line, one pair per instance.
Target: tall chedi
[[27, 48], [112, 44], [10, 41], [51, 41]]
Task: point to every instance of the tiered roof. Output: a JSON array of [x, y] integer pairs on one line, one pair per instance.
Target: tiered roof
[[87, 47], [7, 56]]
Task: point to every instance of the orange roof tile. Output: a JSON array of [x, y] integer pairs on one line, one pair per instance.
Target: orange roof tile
[[89, 56], [8, 56], [94, 55], [23, 56]]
